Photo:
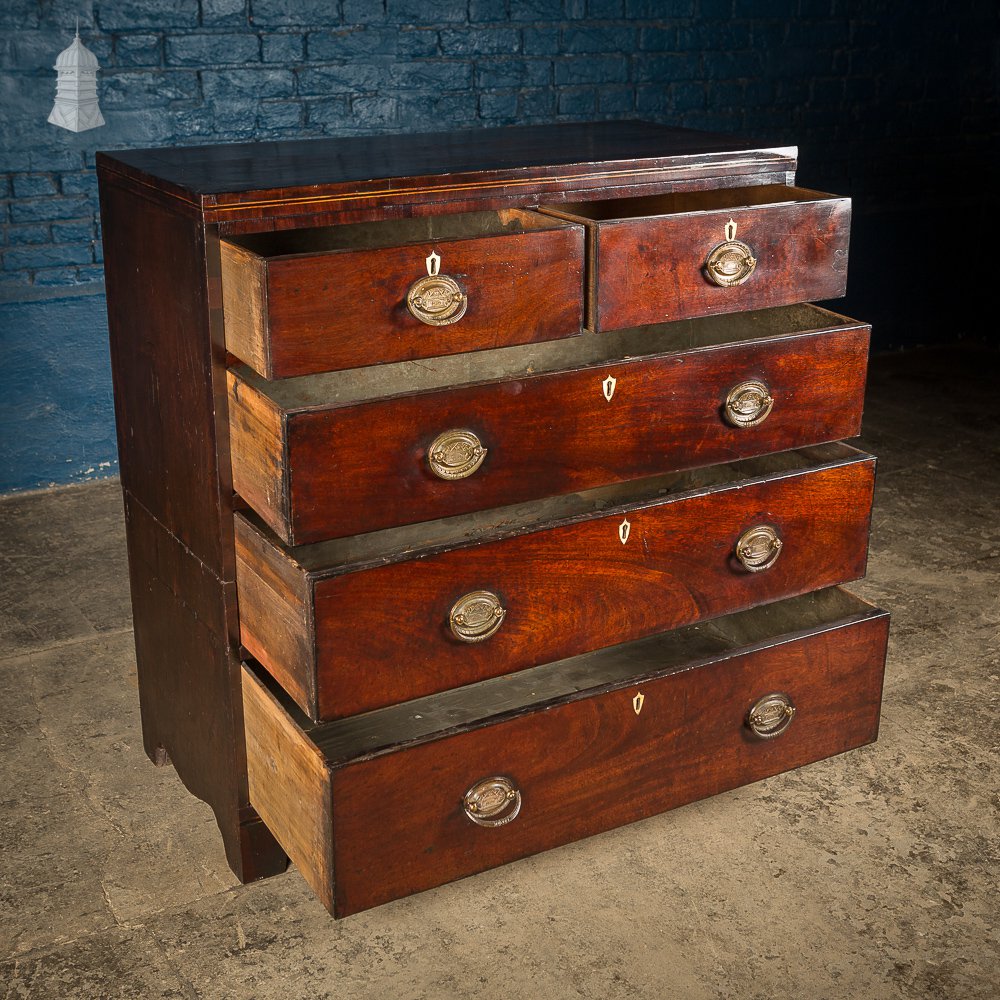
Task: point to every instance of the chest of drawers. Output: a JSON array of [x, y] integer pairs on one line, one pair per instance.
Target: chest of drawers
[[484, 490]]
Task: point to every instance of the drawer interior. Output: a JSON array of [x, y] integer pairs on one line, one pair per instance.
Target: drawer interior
[[686, 202], [343, 555], [611, 668], [394, 232], [345, 388]]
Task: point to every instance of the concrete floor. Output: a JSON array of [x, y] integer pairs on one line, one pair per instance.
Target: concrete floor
[[867, 876]]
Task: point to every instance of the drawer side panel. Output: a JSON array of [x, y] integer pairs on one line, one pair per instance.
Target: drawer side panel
[[276, 619], [244, 303], [289, 786], [257, 449]]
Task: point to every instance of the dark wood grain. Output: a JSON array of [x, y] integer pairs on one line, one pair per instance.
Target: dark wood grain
[[594, 765], [291, 313], [647, 256], [164, 212], [569, 585], [269, 180], [161, 357], [583, 760], [174, 470], [185, 662], [357, 468]]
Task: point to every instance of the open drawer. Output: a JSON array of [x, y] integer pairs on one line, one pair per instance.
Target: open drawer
[[355, 624], [309, 300], [396, 801], [342, 453], [699, 253]]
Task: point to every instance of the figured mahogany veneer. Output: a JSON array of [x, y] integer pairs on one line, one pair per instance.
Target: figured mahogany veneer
[[371, 809], [340, 454], [330, 621], [310, 300], [244, 281], [647, 256]]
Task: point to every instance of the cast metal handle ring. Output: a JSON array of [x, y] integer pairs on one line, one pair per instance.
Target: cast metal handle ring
[[731, 262], [492, 802], [456, 454], [758, 548], [436, 299], [476, 616], [770, 716], [748, 404]]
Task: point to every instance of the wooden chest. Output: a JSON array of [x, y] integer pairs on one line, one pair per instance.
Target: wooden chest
[[484, 490]]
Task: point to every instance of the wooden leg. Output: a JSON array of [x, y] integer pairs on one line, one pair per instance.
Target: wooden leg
[[192, 710], [253, 853]]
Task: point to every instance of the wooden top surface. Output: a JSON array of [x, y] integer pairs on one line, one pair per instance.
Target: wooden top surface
[[206, 173]]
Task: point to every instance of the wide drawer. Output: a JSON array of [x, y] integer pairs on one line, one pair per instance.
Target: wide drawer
[[343, 453], [359, 623], [397, 801], [673, 256], [309, 300]]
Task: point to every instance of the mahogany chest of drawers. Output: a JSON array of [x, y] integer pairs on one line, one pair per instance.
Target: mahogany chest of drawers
[[484, 490]]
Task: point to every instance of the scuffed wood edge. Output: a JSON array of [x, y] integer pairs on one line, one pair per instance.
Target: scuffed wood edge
[[289, 787]]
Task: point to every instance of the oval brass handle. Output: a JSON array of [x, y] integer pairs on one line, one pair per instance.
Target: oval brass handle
[[476, 616], [770, 716], [730, 263], [749, 403], [758, 548], [436, 300], [455, 454], [492, 802]]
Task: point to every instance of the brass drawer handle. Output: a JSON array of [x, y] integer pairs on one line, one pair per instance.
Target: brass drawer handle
[[770, 716], [476, 616], [748, 404], [455, 454], [492, 802], [758, 548], [731, 262], [436, 299]]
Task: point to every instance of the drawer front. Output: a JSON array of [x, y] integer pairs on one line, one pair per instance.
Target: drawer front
[[396, 824], [593, 765], [657, 268], [360, 468], [387, 634], [304, 313]]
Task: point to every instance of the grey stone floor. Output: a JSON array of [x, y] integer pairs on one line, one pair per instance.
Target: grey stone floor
[[867, 876]]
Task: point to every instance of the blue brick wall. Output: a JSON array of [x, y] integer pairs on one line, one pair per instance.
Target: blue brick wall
[[861, 86], [895, 104]]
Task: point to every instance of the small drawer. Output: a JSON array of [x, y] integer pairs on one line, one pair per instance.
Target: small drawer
[[699, 253], [355, 624], [397, 801], [311, 300], [344, 453]]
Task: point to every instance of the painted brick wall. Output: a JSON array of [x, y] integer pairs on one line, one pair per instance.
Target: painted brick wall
[[879, 96], [893, 103]]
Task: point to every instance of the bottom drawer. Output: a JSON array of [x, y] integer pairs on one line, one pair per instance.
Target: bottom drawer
[[395, 801]]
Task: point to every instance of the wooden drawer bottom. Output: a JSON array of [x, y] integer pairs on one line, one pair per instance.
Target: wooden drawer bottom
[[377, 806]]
